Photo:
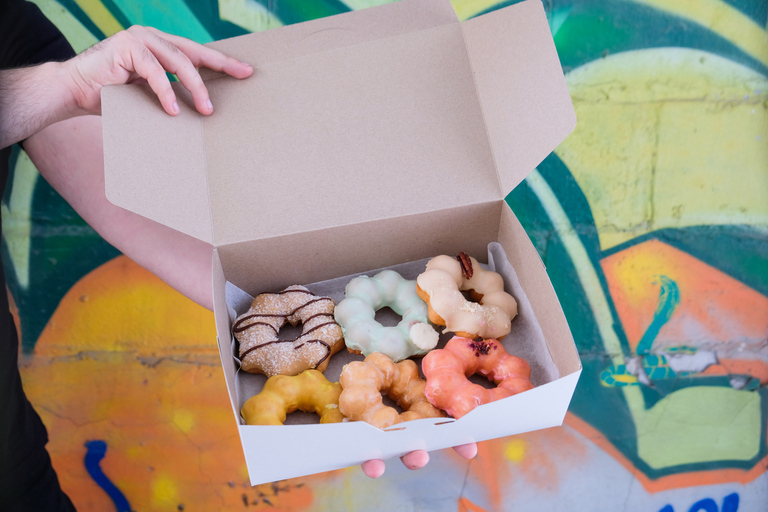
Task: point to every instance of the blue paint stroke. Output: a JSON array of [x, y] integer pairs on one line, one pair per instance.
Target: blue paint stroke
[[705, 505], [669, 298], [731, 503], [96, 451]]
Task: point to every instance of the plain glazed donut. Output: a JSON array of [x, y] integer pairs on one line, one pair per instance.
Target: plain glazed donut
[[261, 351], [364, 335], [363, 383], [441, 284], [446, 371], [309, 391]]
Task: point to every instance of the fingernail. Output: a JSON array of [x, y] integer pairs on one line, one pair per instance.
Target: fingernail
[[209, 105], [175, 107]]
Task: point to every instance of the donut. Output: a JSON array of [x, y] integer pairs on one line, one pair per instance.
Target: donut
[[441, 286], [261, 351], [308, 391], [364, 335], [447, 369], [363, 383]]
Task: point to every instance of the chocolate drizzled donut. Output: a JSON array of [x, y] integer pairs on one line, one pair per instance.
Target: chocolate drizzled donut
[[260, 349]]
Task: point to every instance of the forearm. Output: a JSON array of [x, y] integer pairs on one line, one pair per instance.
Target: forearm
[[69, 156], [32, 98]]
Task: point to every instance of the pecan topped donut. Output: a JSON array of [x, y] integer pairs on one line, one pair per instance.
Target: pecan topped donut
[[441, 286], [261, 350]]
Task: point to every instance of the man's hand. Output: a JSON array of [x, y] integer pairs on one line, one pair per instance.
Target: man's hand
[[415, 460], [145, 54], [35, 97]]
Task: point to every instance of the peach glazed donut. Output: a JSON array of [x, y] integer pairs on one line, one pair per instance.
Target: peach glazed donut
[[447, 369], [309, 391], [363, 383], [257, 333], [441, 284], [364, 335]]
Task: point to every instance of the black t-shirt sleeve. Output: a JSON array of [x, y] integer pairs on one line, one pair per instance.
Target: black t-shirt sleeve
[[27, 37]]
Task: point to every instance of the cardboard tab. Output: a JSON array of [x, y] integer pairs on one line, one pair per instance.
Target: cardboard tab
[[522, 90], [154, 164]]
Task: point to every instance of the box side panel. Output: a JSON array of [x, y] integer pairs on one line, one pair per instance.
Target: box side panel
[[351, 135], [273, 264], [336, 446], [223, 332], [546, 306], [348, 29], [525, 100], [154, 164]]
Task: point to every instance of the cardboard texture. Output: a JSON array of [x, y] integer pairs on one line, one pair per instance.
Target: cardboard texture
[[368, 140]]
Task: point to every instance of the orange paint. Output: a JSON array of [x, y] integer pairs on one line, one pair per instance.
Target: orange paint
[[127, 360], [122, 307], [467, 506], [665, 483], [753, 367], [714, 307], [536, 466], [492, 469]]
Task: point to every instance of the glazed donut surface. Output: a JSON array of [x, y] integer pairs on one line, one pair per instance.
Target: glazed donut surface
[[309, 391], [441, 286], [364, 335], [363, 383], [447, 369]]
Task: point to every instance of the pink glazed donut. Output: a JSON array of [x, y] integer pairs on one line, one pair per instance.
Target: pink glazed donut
[[446, 371]]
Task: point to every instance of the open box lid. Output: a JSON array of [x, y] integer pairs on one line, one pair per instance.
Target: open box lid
[[388, 111]]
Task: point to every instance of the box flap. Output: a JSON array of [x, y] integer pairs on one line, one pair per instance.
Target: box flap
[[347, 119], [383, 129], [154, 164], [521, 86]]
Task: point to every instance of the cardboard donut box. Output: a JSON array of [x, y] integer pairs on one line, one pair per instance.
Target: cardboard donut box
[[373, 139]]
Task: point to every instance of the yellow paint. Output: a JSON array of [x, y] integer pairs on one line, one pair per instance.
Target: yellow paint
[[662, 136], [17, 217], [365, 4], [629, 379], [514, 450], [698, 424], [100, 312], [184, 420], [164, 491], [466, 9], [100, 16], [716, 15], [78, 36], [722, 19], [581, 261], [248, 14]]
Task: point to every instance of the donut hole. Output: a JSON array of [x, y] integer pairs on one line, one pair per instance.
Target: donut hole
[[298, 417], [290, 332], [482, 381], [391, 403], [387, 317], [472, 295]]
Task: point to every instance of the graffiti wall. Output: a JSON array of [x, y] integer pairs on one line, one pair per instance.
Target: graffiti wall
[[652, 219]]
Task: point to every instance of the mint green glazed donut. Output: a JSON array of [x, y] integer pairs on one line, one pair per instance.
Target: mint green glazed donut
[[362, 333]]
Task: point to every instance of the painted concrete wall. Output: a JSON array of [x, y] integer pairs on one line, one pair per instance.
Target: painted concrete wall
[[652, 218]]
